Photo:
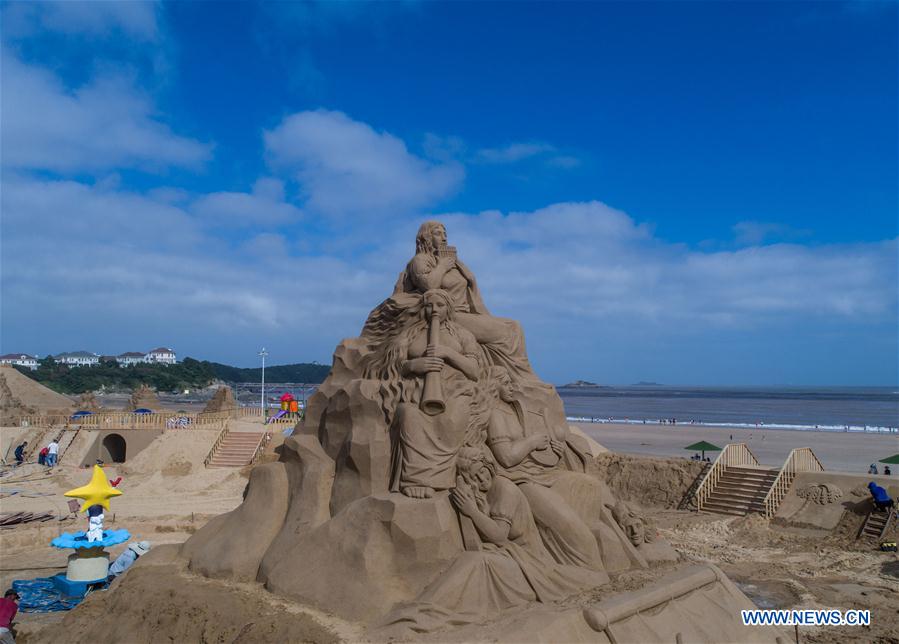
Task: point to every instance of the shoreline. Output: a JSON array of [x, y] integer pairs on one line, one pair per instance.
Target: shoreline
[[839, 451], [871, 429]]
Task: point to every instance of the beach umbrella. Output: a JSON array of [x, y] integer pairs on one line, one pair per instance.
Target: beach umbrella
[[891, 460], [703, 446], [79, 414]]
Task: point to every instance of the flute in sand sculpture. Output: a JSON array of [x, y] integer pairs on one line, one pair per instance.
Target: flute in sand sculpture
[[432, 402], [432, 396]]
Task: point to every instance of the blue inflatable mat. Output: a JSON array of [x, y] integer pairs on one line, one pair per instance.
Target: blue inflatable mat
[[41, 596]]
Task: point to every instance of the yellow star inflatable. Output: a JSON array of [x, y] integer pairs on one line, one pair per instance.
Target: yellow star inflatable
[[97, 492]]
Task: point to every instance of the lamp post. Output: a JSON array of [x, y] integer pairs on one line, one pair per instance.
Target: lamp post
[[263, 353]]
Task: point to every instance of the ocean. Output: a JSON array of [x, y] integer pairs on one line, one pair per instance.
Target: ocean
[[830, 408]]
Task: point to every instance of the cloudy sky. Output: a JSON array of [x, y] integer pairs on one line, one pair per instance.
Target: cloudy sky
[[683, 192]]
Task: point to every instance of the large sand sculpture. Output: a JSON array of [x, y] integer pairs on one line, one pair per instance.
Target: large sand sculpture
[[435, 482], [21, 396]]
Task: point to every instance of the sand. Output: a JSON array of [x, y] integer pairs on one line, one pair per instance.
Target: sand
[[837, 451], [168, 495], [20, 395]]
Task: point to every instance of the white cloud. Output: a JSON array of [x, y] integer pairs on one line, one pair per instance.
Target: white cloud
[[132, 18], [583, 270], [513, 152], [344, 166], [752, 233], [264, 206], [104, 124]]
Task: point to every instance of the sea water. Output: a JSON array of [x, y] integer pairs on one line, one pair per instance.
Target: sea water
[[832, 408]]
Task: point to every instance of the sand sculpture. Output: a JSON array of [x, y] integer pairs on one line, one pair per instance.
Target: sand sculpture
[[88, 402], [21, 396], [144, 398], [222, 400], [433, 469]]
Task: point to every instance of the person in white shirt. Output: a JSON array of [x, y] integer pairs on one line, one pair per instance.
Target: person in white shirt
[[52, 452]]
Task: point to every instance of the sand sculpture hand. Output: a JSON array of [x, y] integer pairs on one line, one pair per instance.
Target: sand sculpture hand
[[539, 441], [557, 446], [446, 263], [463, 500], [421, 366]]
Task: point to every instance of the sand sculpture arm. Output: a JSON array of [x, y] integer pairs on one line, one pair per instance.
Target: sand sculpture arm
[[507, 450], [491, 530], [427, 271], [465, 364]]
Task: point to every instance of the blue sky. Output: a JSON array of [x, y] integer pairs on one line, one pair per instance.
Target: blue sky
[[684, 192]]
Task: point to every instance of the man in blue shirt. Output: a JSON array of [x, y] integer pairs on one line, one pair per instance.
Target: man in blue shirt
[[882, 500]]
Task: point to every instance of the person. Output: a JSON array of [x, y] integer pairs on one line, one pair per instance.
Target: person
[[42, 456], [872, 469], [125, 560], [52, 453], [882, 500], [9, 606], [887, 471], [20, 453]]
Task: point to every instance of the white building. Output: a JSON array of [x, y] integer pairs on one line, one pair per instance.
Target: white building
[[160, 356], [20, 359], [131, 357], [78, 359]]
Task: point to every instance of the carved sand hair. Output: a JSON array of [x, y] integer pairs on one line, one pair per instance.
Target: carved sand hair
[[423, 242], [390, 329]]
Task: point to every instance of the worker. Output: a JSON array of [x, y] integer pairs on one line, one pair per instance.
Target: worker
[[882, 500], [20, 453], [9, 606], [125, 560]]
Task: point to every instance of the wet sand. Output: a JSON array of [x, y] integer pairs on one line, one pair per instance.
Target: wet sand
[[837, 451]]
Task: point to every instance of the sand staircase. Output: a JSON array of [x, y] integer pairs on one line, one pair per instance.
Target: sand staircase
[[235, 449], [876, 524], [741, 490], [738, 484]]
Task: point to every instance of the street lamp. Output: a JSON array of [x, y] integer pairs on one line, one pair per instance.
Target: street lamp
[[263, 353]]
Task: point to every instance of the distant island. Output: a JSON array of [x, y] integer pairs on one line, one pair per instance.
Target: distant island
[[583, 384], [643, 383]]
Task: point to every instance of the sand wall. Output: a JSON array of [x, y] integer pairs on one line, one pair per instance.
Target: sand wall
[[647, 481]]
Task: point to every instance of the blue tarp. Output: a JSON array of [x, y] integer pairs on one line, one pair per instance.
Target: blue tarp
[[41, 596], [79, 414], [142, 410]]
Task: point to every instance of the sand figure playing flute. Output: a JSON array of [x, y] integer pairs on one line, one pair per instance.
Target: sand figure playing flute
[[426, 389]]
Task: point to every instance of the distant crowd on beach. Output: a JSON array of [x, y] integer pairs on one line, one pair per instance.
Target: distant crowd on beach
[[758, 424]]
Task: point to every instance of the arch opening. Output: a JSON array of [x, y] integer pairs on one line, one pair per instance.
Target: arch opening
[[113, 448]]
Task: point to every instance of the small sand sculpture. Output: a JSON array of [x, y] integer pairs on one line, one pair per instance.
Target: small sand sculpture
[[144, 398], [821, 493], [222, 400]]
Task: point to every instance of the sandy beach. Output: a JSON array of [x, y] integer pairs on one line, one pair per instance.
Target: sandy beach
[[837, 451]]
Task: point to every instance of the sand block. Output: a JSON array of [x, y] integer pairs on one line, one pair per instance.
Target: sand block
[[695, 604], [219, 550], [819, 499], [378, 551]]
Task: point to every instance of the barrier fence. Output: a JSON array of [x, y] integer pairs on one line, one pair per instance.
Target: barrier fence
[[802, 459], [130, 420]]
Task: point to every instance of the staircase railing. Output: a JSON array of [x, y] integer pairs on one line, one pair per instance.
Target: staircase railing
[[801, 459], [216, 445], [733, 455], [260, 448]]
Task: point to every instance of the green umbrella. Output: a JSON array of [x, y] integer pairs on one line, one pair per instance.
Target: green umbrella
[[703, 446], [891, 460]]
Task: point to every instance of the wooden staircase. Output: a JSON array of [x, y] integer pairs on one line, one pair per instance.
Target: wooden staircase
[[741, 490], [236, 449], [876, 524]]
